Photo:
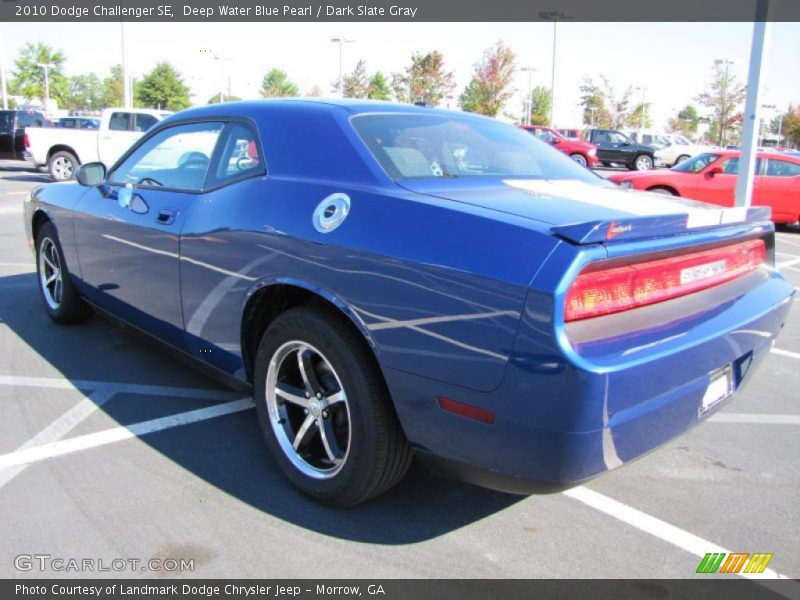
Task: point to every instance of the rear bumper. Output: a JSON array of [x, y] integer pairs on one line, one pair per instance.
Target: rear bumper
[[562, 419]]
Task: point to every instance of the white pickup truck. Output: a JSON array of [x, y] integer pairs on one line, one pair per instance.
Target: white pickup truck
[[62, 150]]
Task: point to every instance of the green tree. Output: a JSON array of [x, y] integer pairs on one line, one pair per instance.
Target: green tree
[[162, 88], [215, 99], [724, 98], [425, 80], [314, 92], [617, 104], [356, 84], [790, 127], [541, 101], [686, 122], [85, 92], [490, 86], [639, 116], [379, 87], [28, 77], [276, 84], [593, 100], [113, 88]]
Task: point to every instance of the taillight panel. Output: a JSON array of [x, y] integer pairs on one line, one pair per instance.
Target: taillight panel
[[603, 288]]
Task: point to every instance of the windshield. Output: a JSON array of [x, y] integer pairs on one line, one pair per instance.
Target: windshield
[[413, 146], [696, 164]]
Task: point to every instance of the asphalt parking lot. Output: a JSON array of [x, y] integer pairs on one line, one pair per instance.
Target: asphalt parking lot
[[110, 448]]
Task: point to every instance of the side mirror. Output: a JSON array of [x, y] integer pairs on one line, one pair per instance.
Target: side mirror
[[91, 174], [714, 171]]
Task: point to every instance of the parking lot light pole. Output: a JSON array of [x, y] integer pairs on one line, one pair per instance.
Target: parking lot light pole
[[46, 67], [644, 107], [555, 17], [721, 134], [341, 41], [752, 106], [528, 102], [127, 92]]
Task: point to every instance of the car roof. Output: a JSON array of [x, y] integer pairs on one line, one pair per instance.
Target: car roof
[[760, 154], [247, 108]]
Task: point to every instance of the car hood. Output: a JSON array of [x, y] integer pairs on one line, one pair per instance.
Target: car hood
[[578, 210]]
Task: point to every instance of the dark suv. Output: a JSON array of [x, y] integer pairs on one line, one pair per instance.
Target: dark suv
[[614, 147], [12, 131]]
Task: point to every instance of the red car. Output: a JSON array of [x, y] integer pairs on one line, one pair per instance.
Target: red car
[[711, 177], [582, 152]]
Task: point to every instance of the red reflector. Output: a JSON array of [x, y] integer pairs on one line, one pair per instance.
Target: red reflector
[[601, 291], [466, 410], [26, 141]]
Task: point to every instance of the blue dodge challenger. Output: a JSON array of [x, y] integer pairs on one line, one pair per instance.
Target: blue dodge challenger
[[394, 280]]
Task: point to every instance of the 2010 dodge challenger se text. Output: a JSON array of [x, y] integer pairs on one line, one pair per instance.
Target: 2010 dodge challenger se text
[[393, 279]]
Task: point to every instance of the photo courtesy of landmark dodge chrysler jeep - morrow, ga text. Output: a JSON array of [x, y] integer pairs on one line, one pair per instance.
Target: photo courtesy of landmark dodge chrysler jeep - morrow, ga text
[[395, 280]]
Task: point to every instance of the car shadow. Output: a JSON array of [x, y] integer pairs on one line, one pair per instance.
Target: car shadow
[[228, 452], [28, 178]]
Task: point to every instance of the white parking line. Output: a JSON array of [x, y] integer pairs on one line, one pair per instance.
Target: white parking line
[[660, 529], [785, 240], [27, 265], [57, 429], [27, 456], [119, 388], [788, 263], [785, 353], [787, 254], [760, 419]]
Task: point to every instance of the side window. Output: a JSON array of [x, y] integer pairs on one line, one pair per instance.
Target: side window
[[144, 122], [177, 157], [782, 168], [731, 166], [120, 121], [240, 154], [601, 137]]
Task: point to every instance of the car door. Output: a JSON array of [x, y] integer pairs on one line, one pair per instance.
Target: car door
[[719, 187], [7, 128], [127, 231], [779, 188], [219, 263]]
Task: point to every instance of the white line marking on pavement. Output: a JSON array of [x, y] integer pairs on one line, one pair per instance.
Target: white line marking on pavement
[[785, 353], [787, 254], [761, 419], [57, 429], [119, 388], [27, 456], [788, 263], [785, 240], [19, 264], [656, 527], [10, 210]]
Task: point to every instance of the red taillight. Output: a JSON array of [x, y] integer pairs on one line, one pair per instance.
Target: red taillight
[[601, 291], [26, 141]]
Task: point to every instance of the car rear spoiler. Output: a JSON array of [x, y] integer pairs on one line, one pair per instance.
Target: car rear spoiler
[[635, 228]]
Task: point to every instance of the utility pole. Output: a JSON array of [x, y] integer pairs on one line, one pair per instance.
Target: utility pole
[[528, 102], [341, 41], [46, 67], [723, 108], [555, 17], [752, 107], [127, 91]]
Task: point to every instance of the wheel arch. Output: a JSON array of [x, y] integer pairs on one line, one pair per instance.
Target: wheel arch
[[660, 186], [40, 217], [63, 148], [268, 299]]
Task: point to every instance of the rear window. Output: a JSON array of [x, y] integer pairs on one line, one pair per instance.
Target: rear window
[[413, 146]]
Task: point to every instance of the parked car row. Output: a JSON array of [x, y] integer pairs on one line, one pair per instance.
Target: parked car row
[[711, 177]]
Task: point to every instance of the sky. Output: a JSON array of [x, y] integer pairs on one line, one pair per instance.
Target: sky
[[671, 61]]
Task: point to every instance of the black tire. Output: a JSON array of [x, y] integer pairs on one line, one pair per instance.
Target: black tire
[[59, 297], [377, 454], [641, 160], [681, 158], [62, 165]]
